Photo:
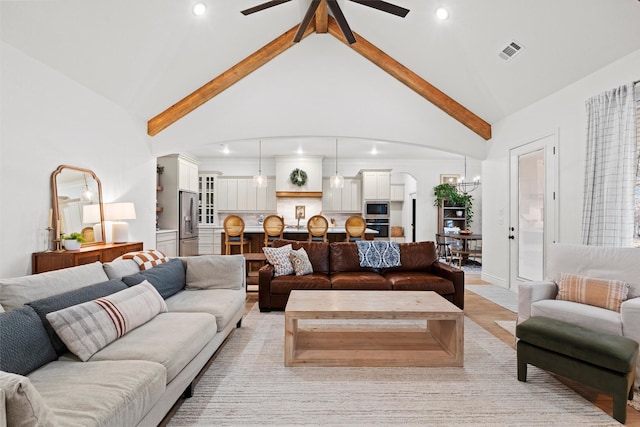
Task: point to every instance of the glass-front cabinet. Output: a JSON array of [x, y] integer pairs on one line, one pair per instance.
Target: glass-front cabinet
[[206, 195]]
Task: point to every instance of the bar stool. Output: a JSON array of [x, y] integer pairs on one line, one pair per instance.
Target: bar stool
[[234, 234], [443, 248], [355, 227], [317, 227], [273, 229]]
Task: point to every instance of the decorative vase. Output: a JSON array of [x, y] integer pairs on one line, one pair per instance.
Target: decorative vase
[[71, 245], [459, 213]]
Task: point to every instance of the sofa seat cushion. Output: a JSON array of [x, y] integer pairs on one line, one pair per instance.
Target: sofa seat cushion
[[17, 291], [285, 284], [100, 393], [419, 281], [584, 315], [171, 339], [222, 303], [359, 281]]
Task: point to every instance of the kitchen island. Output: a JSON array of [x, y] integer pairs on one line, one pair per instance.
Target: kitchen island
[[255, 234]]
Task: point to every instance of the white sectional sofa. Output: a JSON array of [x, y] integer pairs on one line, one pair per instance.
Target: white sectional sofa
[[133, 380]]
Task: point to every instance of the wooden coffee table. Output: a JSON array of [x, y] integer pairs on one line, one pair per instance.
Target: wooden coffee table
[[336, 343]]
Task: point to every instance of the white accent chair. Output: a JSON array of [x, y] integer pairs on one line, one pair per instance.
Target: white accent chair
[[538, 298]]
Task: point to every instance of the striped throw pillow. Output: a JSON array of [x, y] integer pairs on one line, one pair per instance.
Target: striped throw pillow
[[602, 293], [146, 259], [88, 327]]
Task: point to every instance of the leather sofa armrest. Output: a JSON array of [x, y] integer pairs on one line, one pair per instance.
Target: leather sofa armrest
[[265, 274], [456, 276], [530, 292]]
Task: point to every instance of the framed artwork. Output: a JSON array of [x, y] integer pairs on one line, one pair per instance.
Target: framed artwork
[[449, 178], [300, 212]]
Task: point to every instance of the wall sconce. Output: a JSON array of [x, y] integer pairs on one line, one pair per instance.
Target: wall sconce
[[118, 212]]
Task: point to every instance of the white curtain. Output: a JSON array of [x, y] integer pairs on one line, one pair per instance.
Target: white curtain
[[608, 211]]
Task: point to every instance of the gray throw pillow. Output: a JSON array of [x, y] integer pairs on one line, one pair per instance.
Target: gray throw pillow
[[168, 278], [48, 305], [25, 344]]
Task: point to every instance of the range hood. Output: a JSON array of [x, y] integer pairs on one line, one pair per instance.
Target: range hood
[[312, 168]]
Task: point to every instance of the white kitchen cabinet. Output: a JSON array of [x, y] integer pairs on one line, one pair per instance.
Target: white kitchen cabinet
[[167, 242], [241, 194], [346, 199], [217, 242], [207, 183], [205, 241], [376, 184], [397, 192], [187, 175]]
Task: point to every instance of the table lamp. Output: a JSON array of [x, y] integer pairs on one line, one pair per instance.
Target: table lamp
[[118, 212]]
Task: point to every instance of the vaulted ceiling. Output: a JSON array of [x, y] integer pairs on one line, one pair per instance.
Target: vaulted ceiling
[[146, 55]]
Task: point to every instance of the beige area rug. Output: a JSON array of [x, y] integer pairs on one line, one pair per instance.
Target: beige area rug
[[248, 384]]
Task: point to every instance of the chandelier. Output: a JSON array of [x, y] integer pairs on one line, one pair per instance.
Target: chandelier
[[467, 186]]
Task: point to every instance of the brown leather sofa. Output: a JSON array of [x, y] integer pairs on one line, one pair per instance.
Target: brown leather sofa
[[336, 266]]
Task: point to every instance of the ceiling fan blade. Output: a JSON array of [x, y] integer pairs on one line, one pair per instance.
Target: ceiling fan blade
[[307, 20], [384, 6], [263, 6], [341, 20]]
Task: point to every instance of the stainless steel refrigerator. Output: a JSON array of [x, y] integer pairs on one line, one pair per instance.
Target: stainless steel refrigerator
[[188, 238]]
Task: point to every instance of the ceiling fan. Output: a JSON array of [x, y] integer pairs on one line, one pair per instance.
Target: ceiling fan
[[335, 10]]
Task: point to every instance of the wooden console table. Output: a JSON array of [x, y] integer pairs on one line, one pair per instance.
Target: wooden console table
[[47, 261]]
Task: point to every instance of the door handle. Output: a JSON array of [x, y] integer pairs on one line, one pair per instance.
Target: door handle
[[512, 237]]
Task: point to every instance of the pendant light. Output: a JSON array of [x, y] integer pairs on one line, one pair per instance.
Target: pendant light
[[467, 186], [260, 180], [87, 194], [337, 181]]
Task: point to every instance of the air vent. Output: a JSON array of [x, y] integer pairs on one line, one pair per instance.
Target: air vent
[[511, 50]]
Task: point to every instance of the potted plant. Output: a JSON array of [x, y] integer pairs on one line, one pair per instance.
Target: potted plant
[[73, 241], [451, 194]]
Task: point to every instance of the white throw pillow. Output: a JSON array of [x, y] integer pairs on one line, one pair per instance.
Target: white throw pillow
[[215, 272], [88, 327], [279, 258], [23, 404]]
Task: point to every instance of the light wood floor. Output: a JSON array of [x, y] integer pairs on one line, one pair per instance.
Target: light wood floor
[[484, 313]]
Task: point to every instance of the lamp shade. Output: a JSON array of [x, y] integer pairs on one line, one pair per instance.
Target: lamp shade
[[119, 211], [91, 214]]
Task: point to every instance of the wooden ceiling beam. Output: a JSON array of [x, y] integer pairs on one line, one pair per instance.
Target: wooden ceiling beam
[[322, 18], [414, 82], [225, 80]]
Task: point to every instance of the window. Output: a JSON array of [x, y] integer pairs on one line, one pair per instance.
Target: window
[[636, 194]]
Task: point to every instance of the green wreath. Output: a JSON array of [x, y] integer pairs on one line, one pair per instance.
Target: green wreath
[[298, 177]]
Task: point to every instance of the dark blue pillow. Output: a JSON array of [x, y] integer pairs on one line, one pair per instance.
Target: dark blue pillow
[[67, 299], [168, 278], [25, 345]]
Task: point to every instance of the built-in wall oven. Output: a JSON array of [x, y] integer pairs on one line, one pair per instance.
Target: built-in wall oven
[[376, 215]]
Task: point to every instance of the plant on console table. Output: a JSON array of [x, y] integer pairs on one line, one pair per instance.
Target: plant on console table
[[73, 241], [451, 194]]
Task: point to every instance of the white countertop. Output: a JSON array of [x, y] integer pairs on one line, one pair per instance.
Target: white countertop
[[165, 231], [331, 230]]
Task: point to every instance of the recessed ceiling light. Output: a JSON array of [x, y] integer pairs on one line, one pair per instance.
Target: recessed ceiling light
[[442, 13], [199, 9], [374, 151]]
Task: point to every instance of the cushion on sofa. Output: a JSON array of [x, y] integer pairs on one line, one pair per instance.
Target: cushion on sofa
[[222, 303], [300, 261], [607, 294], [168, 278], [47, 305], [23, 404], [279, 258], [215, 272], [147, 259], [419, 281], [86, 328], [318, 252], [24, 344], [172, 339], [284, 284], [416, 256], [344, 257], [15, 292], [359, 281], [378, 253], [118, 268], [107, 394]]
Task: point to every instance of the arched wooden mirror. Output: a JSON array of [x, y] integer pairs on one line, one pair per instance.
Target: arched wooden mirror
[[77, 204]]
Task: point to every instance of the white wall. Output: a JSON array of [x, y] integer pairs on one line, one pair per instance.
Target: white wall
[[562, 114], [49, 120]]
